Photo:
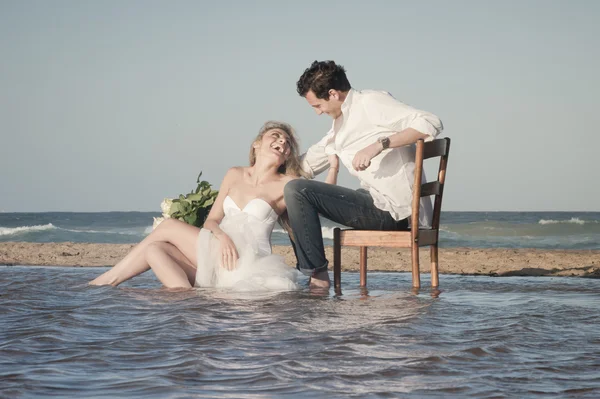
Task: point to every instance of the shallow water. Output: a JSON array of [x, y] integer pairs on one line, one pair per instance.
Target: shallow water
[[479, 337]]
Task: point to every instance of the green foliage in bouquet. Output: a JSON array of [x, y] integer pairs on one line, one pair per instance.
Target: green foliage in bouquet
[[194, 207]]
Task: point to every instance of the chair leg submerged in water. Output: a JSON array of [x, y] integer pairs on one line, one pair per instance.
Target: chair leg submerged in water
[[416, 237]]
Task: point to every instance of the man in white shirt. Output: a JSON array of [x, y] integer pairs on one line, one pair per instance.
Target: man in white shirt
[[373, 134]]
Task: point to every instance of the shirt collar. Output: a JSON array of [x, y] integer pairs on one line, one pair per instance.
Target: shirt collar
[[348, 101], [345, 106]]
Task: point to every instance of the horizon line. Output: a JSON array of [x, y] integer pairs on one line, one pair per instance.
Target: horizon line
[[159, 212]]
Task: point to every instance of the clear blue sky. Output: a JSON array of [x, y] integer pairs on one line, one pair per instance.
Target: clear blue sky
[[114, 105]]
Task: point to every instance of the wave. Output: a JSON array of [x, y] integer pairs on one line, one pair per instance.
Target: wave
[[119, 232], [6, 231], [570, 221]]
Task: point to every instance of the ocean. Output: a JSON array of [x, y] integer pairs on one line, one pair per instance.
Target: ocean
[[544, 230]]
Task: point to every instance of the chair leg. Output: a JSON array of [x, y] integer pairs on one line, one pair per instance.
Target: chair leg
[[416, 275], [434, 266], [337, 259], [363, 266]]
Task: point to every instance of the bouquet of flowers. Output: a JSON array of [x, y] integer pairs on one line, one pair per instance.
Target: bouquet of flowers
[[192, 208]]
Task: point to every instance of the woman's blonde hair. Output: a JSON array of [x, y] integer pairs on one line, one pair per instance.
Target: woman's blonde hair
[[291, 165]]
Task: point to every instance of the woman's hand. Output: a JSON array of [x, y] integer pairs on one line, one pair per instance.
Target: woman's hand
[[229, 254], [334, 162], [334, 168]]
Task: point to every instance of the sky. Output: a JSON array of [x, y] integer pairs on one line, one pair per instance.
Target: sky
[[115, 105]]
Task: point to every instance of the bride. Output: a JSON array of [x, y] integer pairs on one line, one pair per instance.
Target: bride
[[234, 247]]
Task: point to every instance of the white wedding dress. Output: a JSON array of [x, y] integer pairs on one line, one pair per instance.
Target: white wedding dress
[[257, 269]]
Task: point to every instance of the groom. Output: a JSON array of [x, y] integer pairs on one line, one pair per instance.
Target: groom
[[372, 134]]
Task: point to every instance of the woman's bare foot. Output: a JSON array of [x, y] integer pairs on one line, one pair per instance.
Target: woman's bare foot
[[320, 280], [105, 279]]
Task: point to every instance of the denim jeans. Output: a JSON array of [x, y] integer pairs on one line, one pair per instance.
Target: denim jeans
[[306, 199]]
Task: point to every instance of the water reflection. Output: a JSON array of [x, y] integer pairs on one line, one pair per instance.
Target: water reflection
[[481, 337], [434, 292]]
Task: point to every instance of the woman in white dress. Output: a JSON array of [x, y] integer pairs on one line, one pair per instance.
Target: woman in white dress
[[234, 247]]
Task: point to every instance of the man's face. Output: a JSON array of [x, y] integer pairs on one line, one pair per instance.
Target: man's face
[[331, 107]]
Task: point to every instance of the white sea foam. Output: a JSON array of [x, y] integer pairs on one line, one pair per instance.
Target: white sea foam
[[6, 231], [570, 221], [327, 232], [119, 232]]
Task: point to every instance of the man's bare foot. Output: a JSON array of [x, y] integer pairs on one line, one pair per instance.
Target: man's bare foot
[[320, 280]]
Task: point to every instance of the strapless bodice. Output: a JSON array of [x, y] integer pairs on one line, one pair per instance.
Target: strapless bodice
[[258, 216], [256, 268], [256, 207]]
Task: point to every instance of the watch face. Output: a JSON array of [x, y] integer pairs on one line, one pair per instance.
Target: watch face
[[385, 142]]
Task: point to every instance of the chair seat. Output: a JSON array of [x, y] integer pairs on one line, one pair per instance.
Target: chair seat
[[372, 238]]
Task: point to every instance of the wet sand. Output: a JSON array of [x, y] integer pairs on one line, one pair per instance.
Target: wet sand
[[467, 261]]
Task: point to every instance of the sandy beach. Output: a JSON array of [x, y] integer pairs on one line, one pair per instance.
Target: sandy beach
[[467, 261]]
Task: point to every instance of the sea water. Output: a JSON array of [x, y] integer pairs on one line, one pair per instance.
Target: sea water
[[545, 230], [476, 337]]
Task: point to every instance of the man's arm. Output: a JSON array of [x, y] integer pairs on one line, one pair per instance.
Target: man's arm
[[315, 160], [408, 136], [409, 124]]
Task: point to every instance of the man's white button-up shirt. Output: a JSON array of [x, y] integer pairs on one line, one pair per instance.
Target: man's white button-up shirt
[[366, 116]]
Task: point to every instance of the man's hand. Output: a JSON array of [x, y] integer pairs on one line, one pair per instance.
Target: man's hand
[[362, 159]]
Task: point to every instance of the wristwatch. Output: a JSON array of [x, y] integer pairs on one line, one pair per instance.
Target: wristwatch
[[385, 142]]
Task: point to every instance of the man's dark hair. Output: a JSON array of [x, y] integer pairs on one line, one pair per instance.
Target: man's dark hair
[[321, 77]]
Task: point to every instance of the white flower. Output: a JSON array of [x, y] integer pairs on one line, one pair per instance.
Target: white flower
[[157, 221], [165, 207]]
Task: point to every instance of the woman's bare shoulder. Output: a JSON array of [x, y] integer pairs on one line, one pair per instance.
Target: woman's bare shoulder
[[233, 175], [235, 172]]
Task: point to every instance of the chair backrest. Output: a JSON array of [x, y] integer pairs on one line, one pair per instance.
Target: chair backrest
[[436, 148]]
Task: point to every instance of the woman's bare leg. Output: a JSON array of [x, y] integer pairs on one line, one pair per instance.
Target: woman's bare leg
[[180, 234], [170, 266]]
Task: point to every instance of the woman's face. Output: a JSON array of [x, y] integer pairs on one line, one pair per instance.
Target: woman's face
[[275, 143]]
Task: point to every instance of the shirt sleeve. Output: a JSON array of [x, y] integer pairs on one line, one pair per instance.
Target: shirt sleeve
[[315, 160], [385, 111]]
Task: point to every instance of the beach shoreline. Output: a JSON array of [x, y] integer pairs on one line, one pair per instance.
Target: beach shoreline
[[463, 261]]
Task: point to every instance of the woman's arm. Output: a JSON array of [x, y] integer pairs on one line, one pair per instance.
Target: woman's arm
[[229, 253], [217, 213], [334, 168]]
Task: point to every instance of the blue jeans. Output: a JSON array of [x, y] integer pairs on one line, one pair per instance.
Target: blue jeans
[[306, 199]]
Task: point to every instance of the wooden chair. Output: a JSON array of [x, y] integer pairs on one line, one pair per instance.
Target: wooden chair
[[414, 238]]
